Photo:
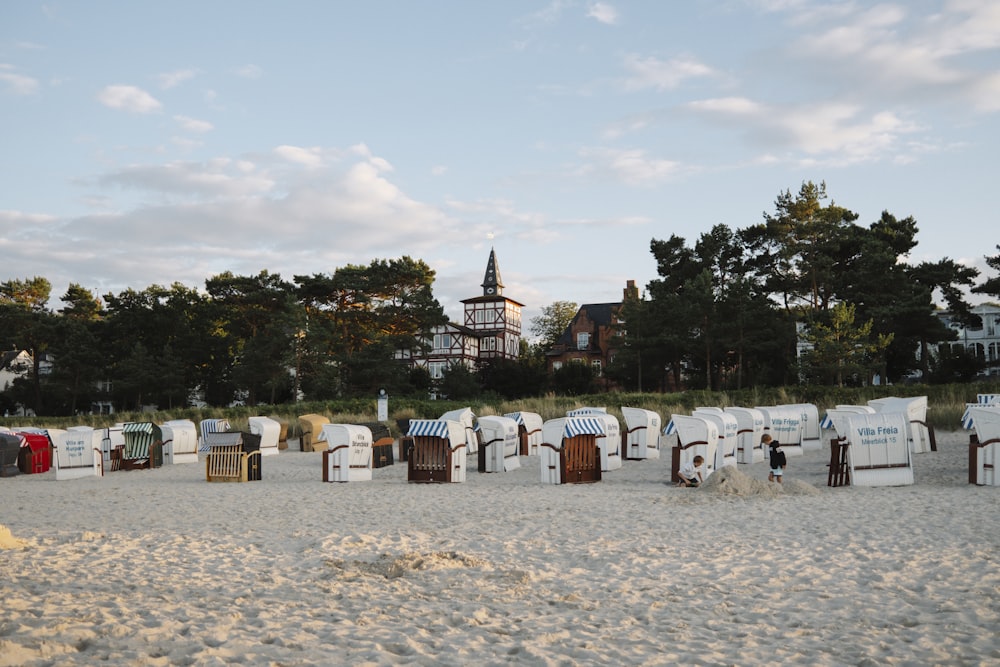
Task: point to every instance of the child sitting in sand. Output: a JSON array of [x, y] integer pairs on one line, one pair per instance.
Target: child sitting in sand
[[777, 458], [692, 472]]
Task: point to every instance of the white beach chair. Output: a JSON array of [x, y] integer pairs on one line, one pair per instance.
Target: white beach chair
[[569, 453], [180, 441], [812, 434], [208, 426], [77, 452], [726, 454], [349, 456], [529, 428], [784, 424], [984, 448], [269, 431], [642, 434], [750, 428], [467, 419], [919, 433], [696, 436], [501, 445], [879, 450], [439, 451]]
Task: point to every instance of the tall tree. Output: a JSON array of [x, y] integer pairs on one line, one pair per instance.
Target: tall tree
[[550, 325]]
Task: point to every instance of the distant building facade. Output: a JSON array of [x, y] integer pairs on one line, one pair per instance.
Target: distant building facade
[[490, 330], [591, 336], [981, 341]]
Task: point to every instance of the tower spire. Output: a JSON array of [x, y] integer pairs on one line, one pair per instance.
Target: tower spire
[[492, 284]]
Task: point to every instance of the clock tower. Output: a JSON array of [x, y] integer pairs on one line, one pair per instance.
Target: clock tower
[[493, 318]]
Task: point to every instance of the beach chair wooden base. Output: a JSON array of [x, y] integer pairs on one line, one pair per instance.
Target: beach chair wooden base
[[840, 469], [382, 455], [431, 459], [229, 463], [580, 460], [153, 460]]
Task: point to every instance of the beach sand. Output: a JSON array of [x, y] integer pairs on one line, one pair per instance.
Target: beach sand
[[159, 567]]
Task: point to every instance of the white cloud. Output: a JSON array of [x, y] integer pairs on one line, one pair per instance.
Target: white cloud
[[17, 84], [307, 157], [175, 78], [836, 133], [651, 72], [128, 98], [630, 166], [216, 179], [250, 71], [193, 124], [603, 12]]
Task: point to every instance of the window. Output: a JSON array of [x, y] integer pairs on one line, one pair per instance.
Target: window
[[556, 365], [436, 369], [442, 341], [596, 365], [582, 340]]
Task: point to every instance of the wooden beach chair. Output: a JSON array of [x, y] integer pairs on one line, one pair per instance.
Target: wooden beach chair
[[382, 444], [570, 453], [143, 446], [233, 456], [609, 440], [10, 450], [439, 451], [311, 432]]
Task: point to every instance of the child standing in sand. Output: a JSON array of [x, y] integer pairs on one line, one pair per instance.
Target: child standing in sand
[[777, 458], [692, 472]]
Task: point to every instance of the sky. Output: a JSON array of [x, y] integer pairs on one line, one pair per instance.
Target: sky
[[148, 143]]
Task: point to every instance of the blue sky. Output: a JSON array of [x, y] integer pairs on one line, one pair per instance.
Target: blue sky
[[158, 142]]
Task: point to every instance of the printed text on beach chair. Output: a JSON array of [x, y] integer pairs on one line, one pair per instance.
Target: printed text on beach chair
[[529, 431], [143, 446], [77, 452], [984, 446], [311, 432], [749, 430], [501, 446], [570, 453], [382, 442], [641, 437], [879, 450], [696, 436], [729, 439], [349, 457], [438, 453], [920, 433], [233, 456], [784, 424]]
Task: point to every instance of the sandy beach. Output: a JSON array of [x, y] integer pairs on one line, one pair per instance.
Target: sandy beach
[[159, 567]]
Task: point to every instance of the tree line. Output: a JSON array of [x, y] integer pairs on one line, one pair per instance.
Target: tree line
[[727, 312]]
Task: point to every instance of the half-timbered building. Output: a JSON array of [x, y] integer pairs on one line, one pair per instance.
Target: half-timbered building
[[490, 329]]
